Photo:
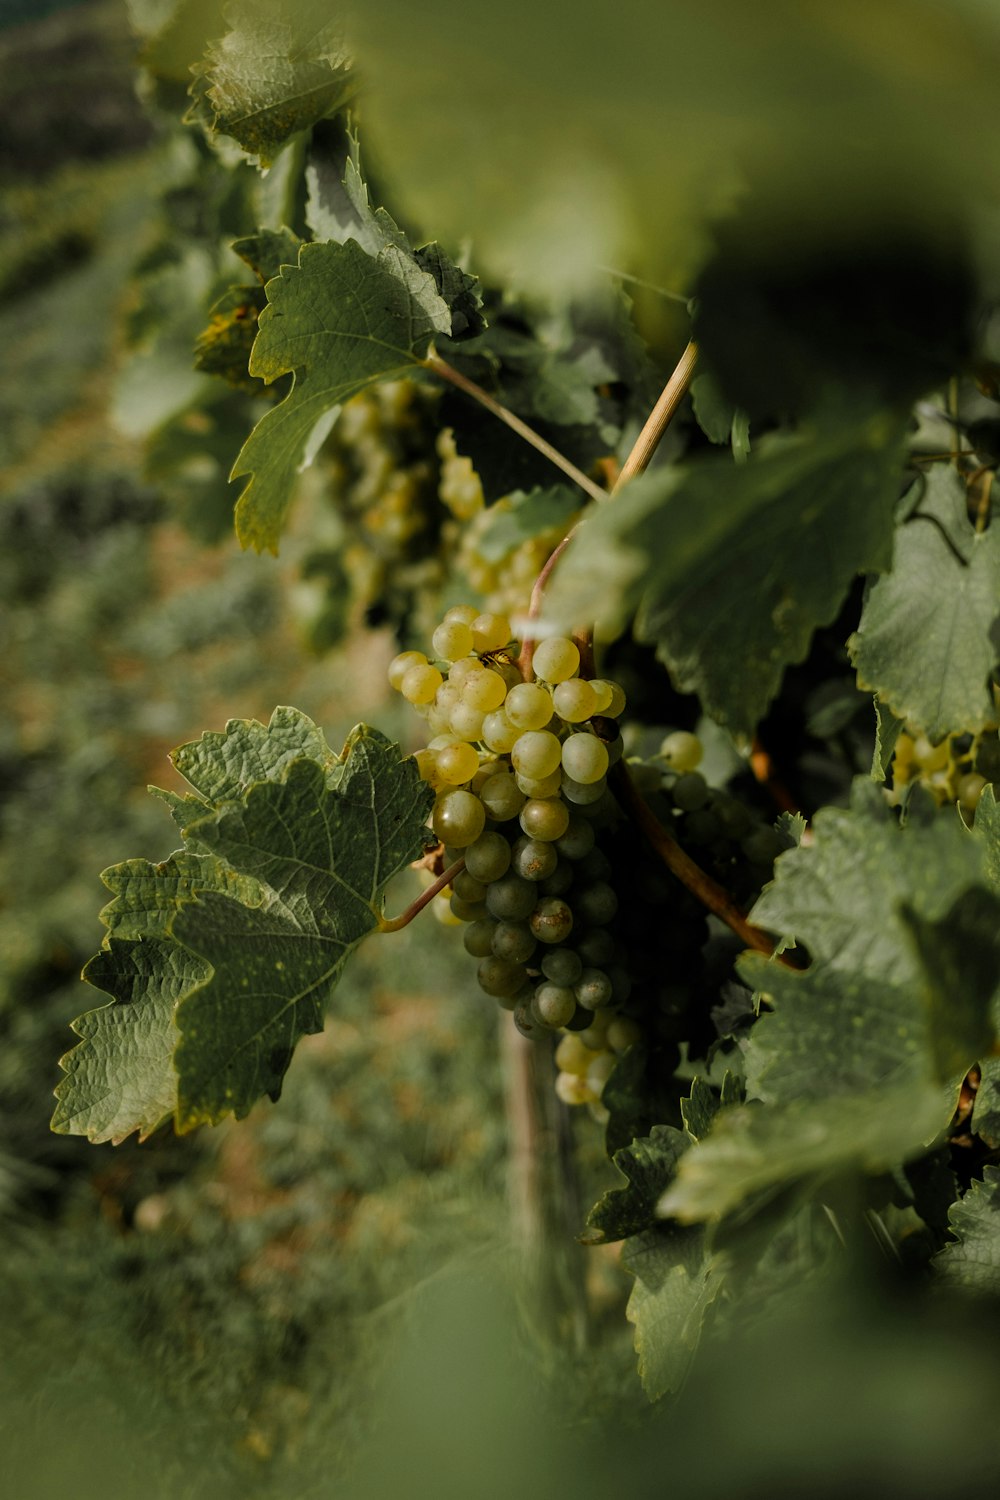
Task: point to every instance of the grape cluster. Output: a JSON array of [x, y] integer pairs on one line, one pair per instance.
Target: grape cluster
[[952, 771], [505, 581], [520, 770]]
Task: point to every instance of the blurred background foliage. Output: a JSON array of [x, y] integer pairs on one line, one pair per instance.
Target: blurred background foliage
[[321, 1301]]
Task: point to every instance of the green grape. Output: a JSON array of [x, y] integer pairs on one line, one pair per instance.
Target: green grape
[[529, 706], [580, 794], [466, 721], [594, 1036], [536, 753], [502, 797], [682, 751], [490, 632], [498, 732], [452, 640], [575, 700], [578, 840], [562, 966], [596, 865], [540, 786], [556, 659], [554, 1004], [533, 859], [702, 827], [572, 1056], [597, 904], [401, 664], [459, 670], [552, 920], [600, 1071], [458, 818], [690, 791], [763, 846], [497, 976], [468, 887], [526, 1022], [593, 989], [420, 684], [545, 818], [585, 758], [457, 764], [621, 983], [467, 911], [572, 1090], [427, 766], [488, 859], [464, 613], [559, 882], [736, 819], [484, 690], [478, 937], [513, 941], [511, 898], [622, 1033]]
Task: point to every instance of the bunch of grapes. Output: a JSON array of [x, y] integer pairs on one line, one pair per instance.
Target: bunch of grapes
[[505, 582], [952, 771]]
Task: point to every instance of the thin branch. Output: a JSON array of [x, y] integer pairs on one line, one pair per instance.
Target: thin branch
[[643, 448], [396, 924], [708, 891], [441, 367], [660, 417]]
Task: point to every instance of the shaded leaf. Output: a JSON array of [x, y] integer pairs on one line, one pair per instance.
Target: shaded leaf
[[676, 1282], [986, 1110], [972, 1262], [694, 548], [341, 321], [649, 1164], [275, 72], [928, 641], [887, 732]]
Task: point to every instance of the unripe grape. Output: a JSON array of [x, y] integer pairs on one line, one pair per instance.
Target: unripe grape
[[580, 794], [452, 639], [529, 706], [562, 966], [478, 937], [552, 920], [457, 764], [490, 632], [441, 907], [466, 613], [401, 664], [484, 690], [575, 700], [426, 762], [597, 904], [682, 751], [556, 659], [600, 1070], [466, 722], [511, 898], [513, 941], [593, 989], [559, 882], [420, 684], [545, 818], [533, 859], [555, 1004], [458, 818], [572, 1056], [540, 786], [467, 911], [690, 791], [597, 948], [585, 758], [537, 753], [497, 976], [622, 1033], [501, 796], [488, 858], [571, 1089], [468, 887], [763, 845], [498, 732], [578, 840]]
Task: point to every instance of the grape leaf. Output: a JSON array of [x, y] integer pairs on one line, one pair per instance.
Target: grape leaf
[[928, 640], [887, 732], [274, 73], [855, 1065], [697, 546], [649, 1164], [676, 1282], [986, 831], [524, 517], [972, 1262], [218, 961], [341, 320]]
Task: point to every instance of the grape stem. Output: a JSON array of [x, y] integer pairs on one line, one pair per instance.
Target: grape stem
[[396, 924], [441, 367], [643, 448], [711, 895]]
